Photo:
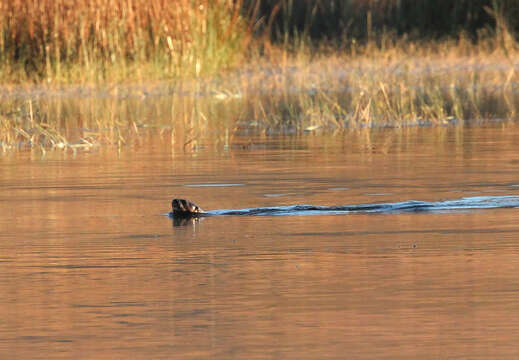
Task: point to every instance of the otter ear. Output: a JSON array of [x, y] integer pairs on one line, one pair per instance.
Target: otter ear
[[176, 204]]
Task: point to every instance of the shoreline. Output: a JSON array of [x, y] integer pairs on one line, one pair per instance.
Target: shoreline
[[303, 94]]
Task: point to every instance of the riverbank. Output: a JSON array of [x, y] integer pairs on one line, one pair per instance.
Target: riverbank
[[58, 42], [111, 80], [452, 84]]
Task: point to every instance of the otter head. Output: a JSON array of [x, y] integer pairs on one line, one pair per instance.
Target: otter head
[[183, 207]]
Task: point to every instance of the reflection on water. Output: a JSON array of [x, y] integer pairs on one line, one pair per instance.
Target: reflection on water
[[89, 266]]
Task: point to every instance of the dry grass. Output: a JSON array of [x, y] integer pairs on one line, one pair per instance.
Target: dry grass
[[404, 85], [395, 85], [387, 82], [70, 40]]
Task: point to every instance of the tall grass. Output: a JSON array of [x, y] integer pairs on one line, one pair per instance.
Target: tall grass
[[298, 85], [85, 41], [100, 39], [403, 86]]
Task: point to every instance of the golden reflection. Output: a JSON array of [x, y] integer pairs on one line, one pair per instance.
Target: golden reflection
[[89, 263]]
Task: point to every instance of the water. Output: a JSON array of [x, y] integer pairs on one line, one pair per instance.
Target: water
[[90, 268]]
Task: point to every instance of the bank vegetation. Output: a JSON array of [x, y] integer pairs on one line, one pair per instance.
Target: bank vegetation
[[249, 67]]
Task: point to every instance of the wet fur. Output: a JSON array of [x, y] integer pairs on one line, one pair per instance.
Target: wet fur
[[185, 208]]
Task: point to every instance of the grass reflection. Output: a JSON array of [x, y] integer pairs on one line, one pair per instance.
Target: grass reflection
[[329, 94]]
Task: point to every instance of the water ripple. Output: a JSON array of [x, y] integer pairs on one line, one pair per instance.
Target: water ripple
[[463, 204]]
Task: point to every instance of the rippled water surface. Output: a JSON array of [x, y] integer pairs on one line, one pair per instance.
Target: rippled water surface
[[90, 267]]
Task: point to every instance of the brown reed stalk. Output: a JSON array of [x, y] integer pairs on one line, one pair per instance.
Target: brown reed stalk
[[45, 35]]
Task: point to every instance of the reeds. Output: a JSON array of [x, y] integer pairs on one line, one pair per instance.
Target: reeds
[[296, 86], [395, 89], [404, 85], [125, 40], [105, 39]]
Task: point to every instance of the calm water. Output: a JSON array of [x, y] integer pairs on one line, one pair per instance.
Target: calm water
[[90, 268]]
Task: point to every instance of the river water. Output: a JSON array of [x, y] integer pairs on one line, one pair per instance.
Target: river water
[[91, 268]]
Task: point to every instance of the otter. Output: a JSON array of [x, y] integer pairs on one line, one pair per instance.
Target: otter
[[185, 208]]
